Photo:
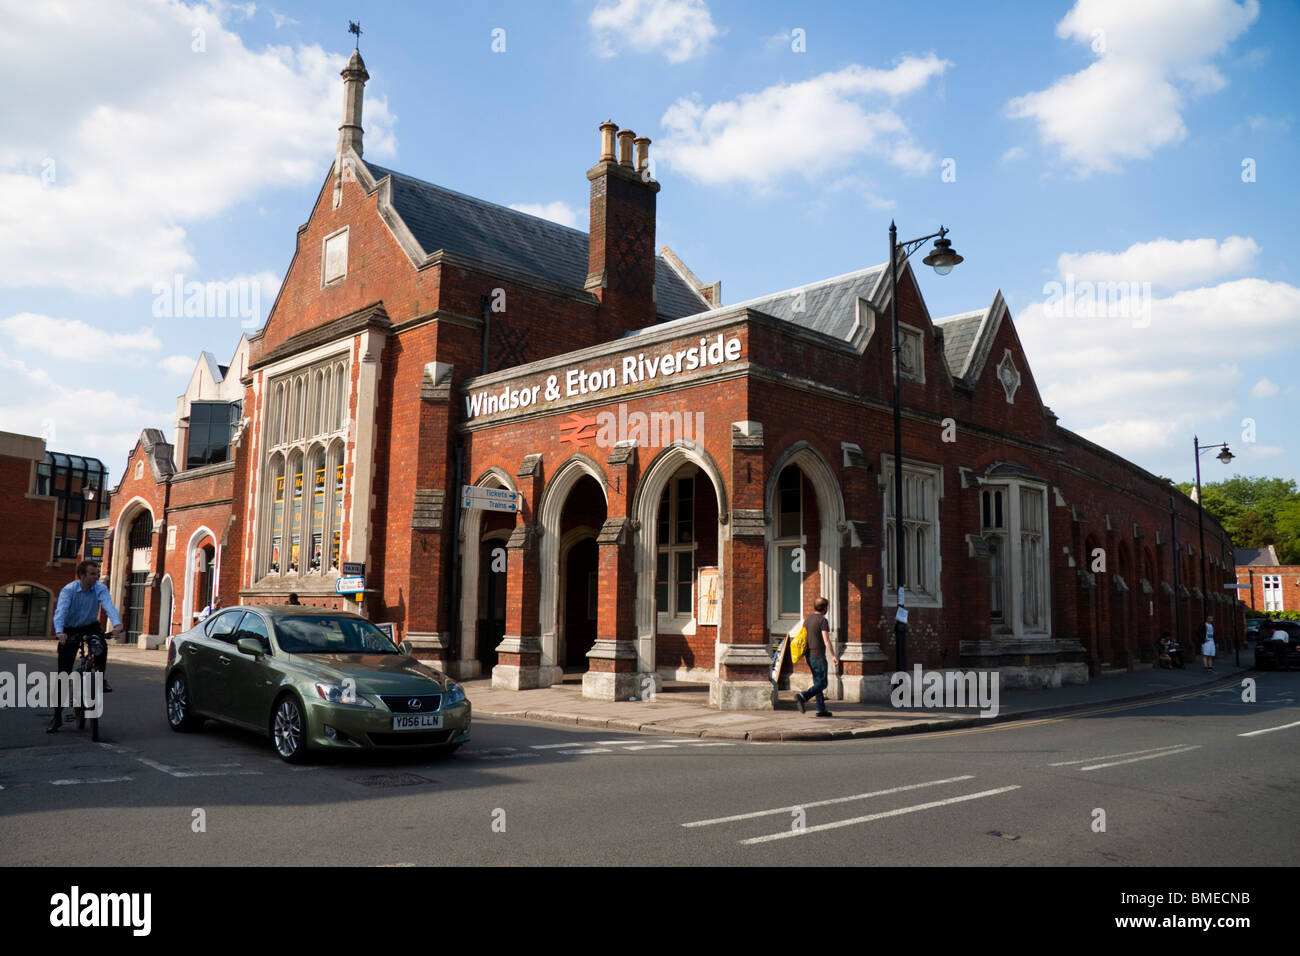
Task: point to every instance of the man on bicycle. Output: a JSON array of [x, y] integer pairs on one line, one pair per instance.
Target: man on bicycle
[[76, 616]]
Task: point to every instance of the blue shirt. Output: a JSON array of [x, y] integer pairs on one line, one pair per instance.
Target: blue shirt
[[78, 607]]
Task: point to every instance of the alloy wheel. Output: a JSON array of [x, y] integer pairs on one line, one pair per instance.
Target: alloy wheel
[[288, 728]]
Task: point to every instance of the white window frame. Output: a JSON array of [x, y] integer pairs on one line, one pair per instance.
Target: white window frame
[[934, 555], [1002, 533], [676, 621], [1272, 592], [301, 400], [779, 620], [1013, 559]]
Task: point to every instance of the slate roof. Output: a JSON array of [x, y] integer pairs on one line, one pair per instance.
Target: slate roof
[[828, 306], [1258, 557], [959, 335], [441, 218]]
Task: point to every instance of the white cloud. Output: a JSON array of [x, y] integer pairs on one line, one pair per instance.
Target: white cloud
[[151, 122], [557, 211], [679, 29], [806, 127], [1014, 153], [179, 364], [1164, 262], [1250, 450], [281, 20], [73, 339], [1263, 389], [1151, 57], [1142, 389], [85, 418], [1267, 124]]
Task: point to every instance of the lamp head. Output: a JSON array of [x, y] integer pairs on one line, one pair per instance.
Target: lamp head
[[943, 258]]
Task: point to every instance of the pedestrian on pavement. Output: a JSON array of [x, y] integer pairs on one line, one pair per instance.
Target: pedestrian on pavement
[[1207, 643], [293, 599], [819, 649], [210, 610], [76, 617]]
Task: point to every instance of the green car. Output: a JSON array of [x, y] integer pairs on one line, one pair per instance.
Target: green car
[[311, 679]]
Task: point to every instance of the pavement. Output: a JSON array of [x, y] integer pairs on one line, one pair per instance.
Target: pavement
[[682, 709]]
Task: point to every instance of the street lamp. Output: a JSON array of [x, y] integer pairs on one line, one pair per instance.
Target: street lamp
[[942, 259], [1224, 456]]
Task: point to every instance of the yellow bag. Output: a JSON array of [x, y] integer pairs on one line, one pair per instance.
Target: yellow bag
[[798, 644]]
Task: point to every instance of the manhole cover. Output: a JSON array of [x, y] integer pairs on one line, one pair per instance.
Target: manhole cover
[[392, 780]]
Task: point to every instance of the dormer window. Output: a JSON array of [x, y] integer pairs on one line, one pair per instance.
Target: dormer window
[[334, 257]]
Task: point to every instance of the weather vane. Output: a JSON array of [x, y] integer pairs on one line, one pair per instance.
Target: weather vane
[[355, 28]]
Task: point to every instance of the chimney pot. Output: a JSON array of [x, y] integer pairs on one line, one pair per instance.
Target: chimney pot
[[625, 137], [642, 152], [607, 131]]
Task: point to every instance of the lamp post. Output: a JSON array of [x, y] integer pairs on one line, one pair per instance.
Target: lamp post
[[941, 259], [1224, 456]]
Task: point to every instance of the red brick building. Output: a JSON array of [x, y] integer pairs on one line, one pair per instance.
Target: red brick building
[[1269, 585], [49, 498], [690, 476]]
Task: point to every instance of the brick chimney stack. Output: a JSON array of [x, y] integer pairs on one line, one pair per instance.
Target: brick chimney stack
[[621, 255]]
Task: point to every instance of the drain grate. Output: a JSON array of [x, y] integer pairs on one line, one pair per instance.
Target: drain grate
[[388, 780]]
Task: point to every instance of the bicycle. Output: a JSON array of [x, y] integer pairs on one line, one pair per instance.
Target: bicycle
[[91, 650]]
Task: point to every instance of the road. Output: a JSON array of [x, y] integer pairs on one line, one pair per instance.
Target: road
[[1202, 780]]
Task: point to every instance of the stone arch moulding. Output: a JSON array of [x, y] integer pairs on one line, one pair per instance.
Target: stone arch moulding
[[167, 606], [645, 508], [120, 561], [830, 508], [191, 547], [554, 495], [471, 529]]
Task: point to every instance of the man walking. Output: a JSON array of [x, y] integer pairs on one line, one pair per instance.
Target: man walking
[[76, 616], [819, 649]]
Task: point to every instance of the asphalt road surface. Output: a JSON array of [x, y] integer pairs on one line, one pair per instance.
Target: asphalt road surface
[[1205, 779]]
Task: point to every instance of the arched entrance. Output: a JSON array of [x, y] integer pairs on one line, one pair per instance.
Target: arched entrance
[[140, 549], [670, 640], [803, 547], [24, 610], [200, 575], [482, 533], [573, 510]]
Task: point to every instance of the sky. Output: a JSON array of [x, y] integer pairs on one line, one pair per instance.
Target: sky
[[1123, 172]]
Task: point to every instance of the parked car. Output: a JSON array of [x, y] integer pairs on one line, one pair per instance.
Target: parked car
[[1273, 654], [1252, 627], [311, 679]]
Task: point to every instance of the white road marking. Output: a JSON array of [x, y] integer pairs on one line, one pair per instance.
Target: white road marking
[[68, 783], [711, 744], [1269, 730], [1166, 753], [590, 750], [1131, 753], [217, 770], [877, 816], [652, 747], [497, 756], [612, 743], [826, 803], [551, 746]]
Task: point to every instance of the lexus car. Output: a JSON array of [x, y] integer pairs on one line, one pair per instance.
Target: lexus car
[[1271, 653], [311, 679]]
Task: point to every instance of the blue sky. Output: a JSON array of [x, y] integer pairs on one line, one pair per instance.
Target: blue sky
[[1151, 144]]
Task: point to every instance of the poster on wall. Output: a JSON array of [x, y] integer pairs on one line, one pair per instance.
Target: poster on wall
[[707, 588]]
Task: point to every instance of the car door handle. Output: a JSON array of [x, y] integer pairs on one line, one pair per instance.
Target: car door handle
[[223, 658]]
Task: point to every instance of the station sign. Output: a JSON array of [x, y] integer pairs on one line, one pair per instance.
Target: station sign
[[349, 585], [490, 499]]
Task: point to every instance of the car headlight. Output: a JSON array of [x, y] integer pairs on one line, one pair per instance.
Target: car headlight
[[454, 695], [342, 694]]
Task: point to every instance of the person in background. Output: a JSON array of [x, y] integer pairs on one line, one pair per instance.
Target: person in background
[[1207, 643], [819, 649]]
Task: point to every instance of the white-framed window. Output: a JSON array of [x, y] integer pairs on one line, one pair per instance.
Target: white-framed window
[[994, 515], [1272, 592], [675, 562], [922, 488], [788, 557], [334, 257], [303, 469], [1013, 520]]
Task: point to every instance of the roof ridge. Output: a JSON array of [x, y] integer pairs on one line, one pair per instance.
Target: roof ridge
[[804, 287], [479, 199]]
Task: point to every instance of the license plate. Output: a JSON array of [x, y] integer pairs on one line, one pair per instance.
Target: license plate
[[417, 722]]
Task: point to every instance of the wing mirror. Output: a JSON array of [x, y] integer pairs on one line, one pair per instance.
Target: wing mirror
[[405, 648], [251, 645]]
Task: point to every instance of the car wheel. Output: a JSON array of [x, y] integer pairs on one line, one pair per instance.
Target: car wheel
[[180, 715], [289, 730]]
